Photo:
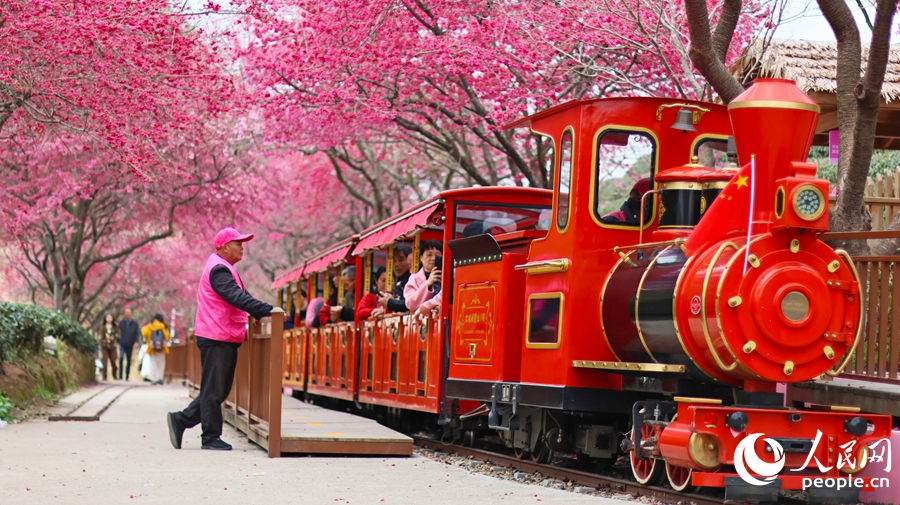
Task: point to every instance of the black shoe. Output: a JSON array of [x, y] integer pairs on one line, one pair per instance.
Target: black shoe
[[176, 430], [217, 445]]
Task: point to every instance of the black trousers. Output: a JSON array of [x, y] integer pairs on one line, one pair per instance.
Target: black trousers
[[125, 354], [219, 360]]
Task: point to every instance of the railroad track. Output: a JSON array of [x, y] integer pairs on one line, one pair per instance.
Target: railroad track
[[600, 482]]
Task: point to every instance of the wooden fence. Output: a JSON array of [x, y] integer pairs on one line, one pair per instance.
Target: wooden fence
[[254, 404], [877, 356], [882, 197]]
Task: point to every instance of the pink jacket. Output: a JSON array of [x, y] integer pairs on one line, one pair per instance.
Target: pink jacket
[[216, 318], [419, 296]]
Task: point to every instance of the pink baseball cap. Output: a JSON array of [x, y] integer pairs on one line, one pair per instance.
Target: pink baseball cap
[[227, 235]]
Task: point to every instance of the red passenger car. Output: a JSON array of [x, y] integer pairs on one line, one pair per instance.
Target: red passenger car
[[568, 320]]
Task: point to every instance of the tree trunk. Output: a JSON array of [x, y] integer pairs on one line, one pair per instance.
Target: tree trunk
[[888, 246], [708, 55], [858, 103]]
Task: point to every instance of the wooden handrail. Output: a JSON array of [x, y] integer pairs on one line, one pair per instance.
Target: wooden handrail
[[859, 235], [877, 200]]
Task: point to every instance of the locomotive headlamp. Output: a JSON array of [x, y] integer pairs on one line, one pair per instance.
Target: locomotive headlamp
[[856, 426], [809, 202], [737, 421]]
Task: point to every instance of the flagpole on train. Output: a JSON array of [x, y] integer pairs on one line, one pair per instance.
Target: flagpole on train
[[752, 204]]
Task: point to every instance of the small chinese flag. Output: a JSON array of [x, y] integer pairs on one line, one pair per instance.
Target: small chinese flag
[[727, 215]]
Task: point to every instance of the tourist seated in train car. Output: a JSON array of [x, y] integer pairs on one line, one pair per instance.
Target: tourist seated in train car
[[368, 306], [343, 311], [312, 312], [422, 292], [292, 314], [630, 211], [304, 304], [546, 217], [489, 226], [396, 301], [474, 228]]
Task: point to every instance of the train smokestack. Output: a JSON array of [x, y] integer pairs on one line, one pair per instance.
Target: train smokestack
[[774, 122]]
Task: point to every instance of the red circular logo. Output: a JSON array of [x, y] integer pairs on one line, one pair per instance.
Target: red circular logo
[[695, 305]]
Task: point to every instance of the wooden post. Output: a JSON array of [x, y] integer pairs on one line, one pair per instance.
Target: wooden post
[[415, 261], [390, 268], [298, 302], [326, 289], [288, 298], [367, 278], [340, 283], [276, 366]]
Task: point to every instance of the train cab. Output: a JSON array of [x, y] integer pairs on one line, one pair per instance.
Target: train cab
[[611, 160]]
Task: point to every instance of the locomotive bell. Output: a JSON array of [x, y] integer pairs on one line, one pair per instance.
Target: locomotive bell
[[684, 121]]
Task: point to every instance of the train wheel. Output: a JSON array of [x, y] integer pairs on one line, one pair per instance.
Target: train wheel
[[521, 453], [468, 439], [648, 472], [541, 454], [679, 478]]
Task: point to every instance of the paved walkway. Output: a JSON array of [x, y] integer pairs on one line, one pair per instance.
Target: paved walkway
[[126, 458]]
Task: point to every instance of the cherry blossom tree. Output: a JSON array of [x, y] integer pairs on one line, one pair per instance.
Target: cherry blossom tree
[[117, 75], [446, 75], [78, 217]]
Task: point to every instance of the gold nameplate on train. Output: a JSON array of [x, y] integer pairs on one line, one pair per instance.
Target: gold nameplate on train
[[627, 367]]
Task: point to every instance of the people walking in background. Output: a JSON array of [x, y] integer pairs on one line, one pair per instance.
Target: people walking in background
[[220, 327], [108, 338], [130, 337], [156, 334]]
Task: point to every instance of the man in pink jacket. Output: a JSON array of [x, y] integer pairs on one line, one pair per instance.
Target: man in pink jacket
[[423, 290], [220, 327]]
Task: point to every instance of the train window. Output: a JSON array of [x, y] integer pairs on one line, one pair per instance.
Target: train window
[[544, 313], [626, 162], [712, 152], [565, 180], [546, 156], [477, 218]]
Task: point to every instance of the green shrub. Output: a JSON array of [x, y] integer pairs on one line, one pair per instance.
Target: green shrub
[[5, 408], [23, 327]]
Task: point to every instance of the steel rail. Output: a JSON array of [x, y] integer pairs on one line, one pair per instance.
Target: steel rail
[[599, 482]]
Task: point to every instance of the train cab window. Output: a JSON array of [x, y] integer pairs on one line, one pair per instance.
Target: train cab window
[[546, 155], [626, 163], [544, 312], [712, 152], [565, 180], [495, 219]]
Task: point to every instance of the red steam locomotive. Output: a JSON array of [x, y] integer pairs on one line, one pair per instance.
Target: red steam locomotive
[[659, 330]]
